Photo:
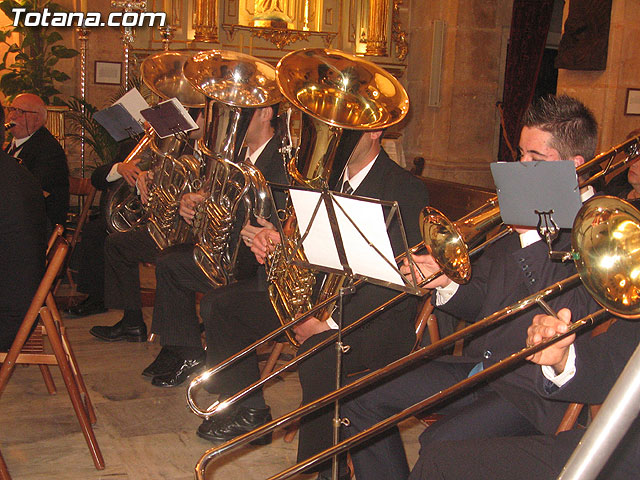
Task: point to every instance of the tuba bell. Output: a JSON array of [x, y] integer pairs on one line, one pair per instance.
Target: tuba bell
[[234, 85], [340, 96], [162, 73]]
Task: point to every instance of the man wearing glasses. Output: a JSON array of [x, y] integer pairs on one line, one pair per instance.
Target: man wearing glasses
[[39, 151]]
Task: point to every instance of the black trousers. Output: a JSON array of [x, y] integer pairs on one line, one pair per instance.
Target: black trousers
[[178, 278], [90, 258], [123, 253], [536, 457], [234, 317], [477, 415]]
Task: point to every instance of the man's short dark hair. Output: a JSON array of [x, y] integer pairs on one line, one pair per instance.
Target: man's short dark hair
[[572, 125]]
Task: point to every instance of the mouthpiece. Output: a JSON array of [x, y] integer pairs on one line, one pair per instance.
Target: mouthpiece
[[9, 125]]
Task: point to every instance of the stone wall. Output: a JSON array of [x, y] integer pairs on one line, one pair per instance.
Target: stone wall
[[458, 138], [605, 92]]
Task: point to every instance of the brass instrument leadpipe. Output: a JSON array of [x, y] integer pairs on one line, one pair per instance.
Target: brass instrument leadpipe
[[420, 354], [217, 406]]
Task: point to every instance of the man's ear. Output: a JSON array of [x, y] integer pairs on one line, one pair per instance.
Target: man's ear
[[375, 135], [578, 160]]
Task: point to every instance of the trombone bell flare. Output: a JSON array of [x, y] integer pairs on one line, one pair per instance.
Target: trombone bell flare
[[606, 244]]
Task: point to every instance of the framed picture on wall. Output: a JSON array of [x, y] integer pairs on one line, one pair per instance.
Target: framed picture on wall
[[632, 107], [108, 73]]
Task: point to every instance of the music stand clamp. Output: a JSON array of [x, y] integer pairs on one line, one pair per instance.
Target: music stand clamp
[[539, 194]]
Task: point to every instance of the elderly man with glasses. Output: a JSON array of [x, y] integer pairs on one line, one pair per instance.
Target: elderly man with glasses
[[38, 150]]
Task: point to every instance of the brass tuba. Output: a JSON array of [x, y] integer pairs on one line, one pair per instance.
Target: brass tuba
[[162, 73], [340, 96], [234, 85]]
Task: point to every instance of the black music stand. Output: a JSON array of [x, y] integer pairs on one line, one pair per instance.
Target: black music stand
[[119, 122], [169, 118], [538, 194], [348, 235]]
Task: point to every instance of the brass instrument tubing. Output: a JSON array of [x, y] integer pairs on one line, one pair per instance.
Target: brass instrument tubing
[[218, 406], [383, 425], [424, 352]]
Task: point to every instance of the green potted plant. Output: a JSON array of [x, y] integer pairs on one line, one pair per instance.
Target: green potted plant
[[36, 54]]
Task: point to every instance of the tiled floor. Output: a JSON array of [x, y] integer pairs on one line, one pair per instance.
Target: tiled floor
[[144, 432]]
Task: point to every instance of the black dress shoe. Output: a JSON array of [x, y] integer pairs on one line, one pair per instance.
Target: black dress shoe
[[166, 362], [180, 373], [242, 421], [136, 333], [89, 306]]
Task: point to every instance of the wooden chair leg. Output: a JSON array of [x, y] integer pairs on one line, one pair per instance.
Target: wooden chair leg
[[72, 388], [271, 361], [4, 471], [51, 304], [48, 379]]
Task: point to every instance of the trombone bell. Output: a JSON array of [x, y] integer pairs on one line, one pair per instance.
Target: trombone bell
[[606, 239]]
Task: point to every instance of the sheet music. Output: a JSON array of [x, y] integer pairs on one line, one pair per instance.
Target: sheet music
[[319, 246], [169, 117], [134, 103]]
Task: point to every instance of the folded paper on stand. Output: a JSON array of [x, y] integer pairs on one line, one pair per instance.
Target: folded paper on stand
[[363, 259]]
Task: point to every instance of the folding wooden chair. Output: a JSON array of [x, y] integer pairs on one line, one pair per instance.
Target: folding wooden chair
[[29, 349], [86, 193]]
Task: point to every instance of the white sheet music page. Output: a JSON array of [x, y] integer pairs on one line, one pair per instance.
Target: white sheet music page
[[362, 257], [134, 102]]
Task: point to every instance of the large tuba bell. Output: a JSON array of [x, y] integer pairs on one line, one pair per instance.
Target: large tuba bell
[[162, 73], [234, 85], [340, 96]]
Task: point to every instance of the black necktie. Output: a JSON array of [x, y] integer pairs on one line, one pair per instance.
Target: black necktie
[[346, 188]]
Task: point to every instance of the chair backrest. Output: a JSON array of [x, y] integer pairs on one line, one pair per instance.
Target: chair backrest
[[83, 188]]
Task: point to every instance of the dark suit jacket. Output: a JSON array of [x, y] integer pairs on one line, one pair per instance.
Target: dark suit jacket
[[391, 332], [22, 242], [271, 164], [503, 275], [599, 362], [45, 159]]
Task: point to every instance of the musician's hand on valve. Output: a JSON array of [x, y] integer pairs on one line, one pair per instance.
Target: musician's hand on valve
[[142, 183], [544, 327], [188, 204], [308, 328], [129, 171], [427, 266], [264, 243], [248, 232]]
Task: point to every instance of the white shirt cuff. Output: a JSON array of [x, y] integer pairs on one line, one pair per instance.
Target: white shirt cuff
[[113, 174], [444, 294], [332, 325], [567, 374]]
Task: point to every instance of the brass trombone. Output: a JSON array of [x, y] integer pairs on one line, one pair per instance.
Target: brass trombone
[[605, 238], [448, 242]]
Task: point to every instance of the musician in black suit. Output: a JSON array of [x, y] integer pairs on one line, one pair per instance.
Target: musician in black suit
[[123, 253], [238, 315], [518, 265], [583, 373], [178, 277], [23, 242], [41, 153], [90, 251]]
